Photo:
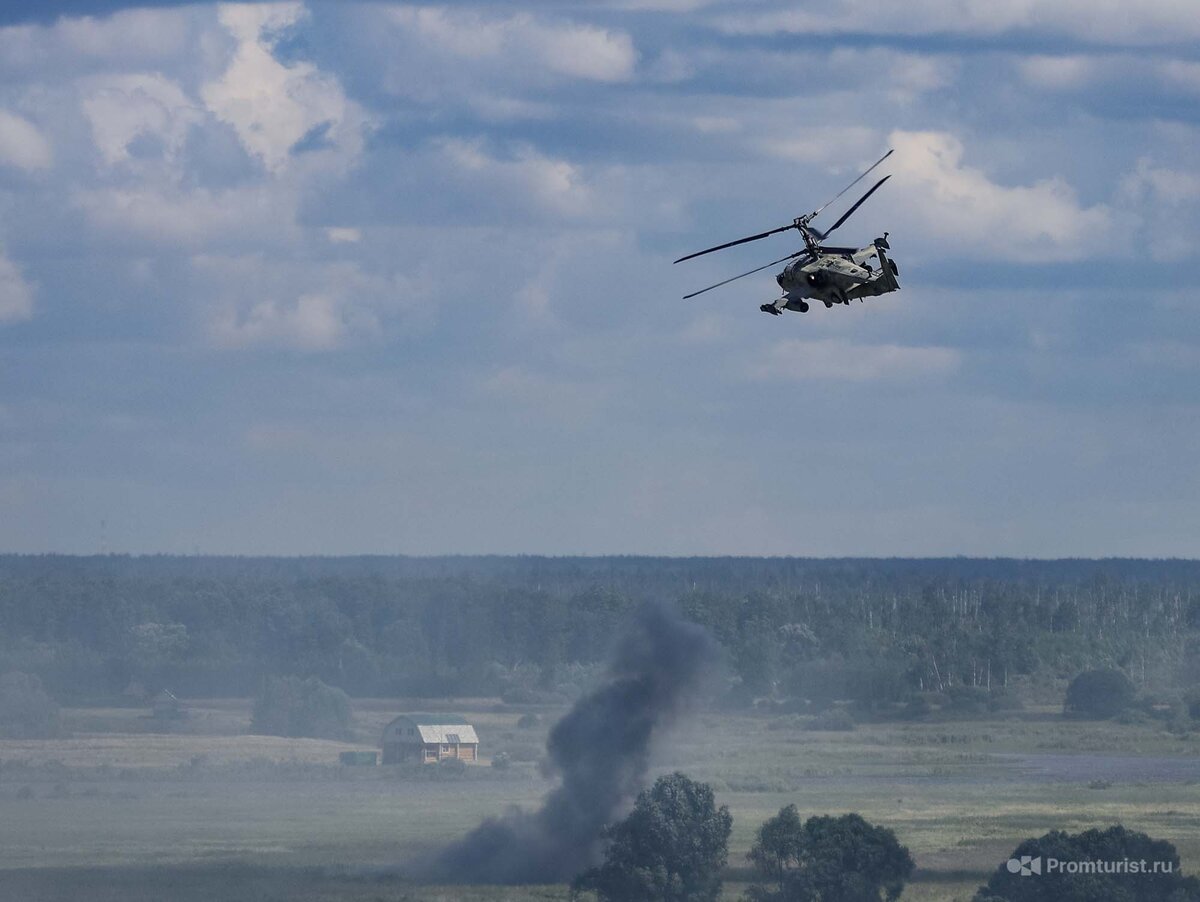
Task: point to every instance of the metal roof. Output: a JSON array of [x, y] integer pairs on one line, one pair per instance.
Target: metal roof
[[448, 734]]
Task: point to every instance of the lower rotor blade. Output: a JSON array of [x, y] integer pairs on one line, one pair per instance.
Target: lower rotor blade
[[750, 273], [721, 247]]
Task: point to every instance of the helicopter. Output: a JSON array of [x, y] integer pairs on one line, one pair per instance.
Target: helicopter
[[832, 275]]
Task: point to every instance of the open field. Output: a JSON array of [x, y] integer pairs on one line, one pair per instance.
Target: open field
[[194, 814]]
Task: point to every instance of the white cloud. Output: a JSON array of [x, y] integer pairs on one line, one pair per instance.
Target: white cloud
[[131, 33], [127, 39], [1163, 204], [252, 300], [674, 6], [1169, 186], [310, 322], [1106, 21], [965, 209], [343, 235], [563, 400], [705, 329], [835, 359], [122, 108], [16, 294], [902, 77], [1182, 74], [552, 185], [1058, 72], [274, 107], [168, 214], [522, 42], [21, 143], [1166, 354], [819, 144]]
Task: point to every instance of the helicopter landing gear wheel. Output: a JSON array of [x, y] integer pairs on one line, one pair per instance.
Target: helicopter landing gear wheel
[[828, 305], [803, 307]]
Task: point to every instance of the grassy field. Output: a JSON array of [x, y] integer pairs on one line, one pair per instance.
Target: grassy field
[[118, 812]]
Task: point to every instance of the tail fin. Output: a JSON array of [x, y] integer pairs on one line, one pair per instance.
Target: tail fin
[[888, 270]]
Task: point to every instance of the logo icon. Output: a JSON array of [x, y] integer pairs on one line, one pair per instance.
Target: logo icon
[[1026, 865]]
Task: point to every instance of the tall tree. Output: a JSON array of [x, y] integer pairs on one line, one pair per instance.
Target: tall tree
[[827, 859], [671, 848]]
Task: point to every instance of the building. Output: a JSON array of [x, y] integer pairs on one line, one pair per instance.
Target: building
[[428, 739]]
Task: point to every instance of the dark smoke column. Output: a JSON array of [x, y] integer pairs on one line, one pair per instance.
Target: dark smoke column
[[600, 749]]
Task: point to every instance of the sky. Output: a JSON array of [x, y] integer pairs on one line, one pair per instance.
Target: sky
[[340, 278]]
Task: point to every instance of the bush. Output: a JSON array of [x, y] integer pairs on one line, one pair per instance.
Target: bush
[[1098, 694], [739, 697], [26, 710], [1113, 844], [1004, 700], [916, 708], [788, 722], [826, 858], [1134, 717], [528, 722], [966, 700], [290, 706], [836, 720], [502, 761], [520, 695], [1192, 700], [526, 751]]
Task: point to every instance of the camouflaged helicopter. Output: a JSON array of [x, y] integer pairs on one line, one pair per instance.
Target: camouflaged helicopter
[[832, 275]]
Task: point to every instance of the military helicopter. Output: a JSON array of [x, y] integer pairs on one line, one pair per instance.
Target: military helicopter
[[832, 275]]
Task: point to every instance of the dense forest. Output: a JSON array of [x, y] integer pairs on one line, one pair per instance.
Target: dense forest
[[878, 632]]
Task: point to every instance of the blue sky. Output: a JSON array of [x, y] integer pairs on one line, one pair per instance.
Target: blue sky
[[340, 278]]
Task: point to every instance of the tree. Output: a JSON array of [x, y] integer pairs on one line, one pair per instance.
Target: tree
[[290, 706], [1098, 694], [671, 848], [1084, 883], [780, 847], [26, 710], [154, 647], [827, 859]]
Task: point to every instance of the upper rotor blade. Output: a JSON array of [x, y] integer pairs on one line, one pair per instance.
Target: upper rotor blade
[[721, 247], [857, 204], [750, 273], [865, 173]]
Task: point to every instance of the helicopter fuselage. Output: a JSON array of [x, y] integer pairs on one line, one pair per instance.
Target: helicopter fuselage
[[836, 278], [826, 278]]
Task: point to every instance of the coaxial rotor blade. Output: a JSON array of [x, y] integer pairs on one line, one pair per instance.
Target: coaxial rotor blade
[[750, 273], [851, 185], [823, 235], [721, 247]]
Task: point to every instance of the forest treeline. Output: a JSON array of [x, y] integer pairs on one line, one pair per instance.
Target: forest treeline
[[877, 632]]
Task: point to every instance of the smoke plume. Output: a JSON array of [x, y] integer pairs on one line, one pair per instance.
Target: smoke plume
[[600, 751]]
